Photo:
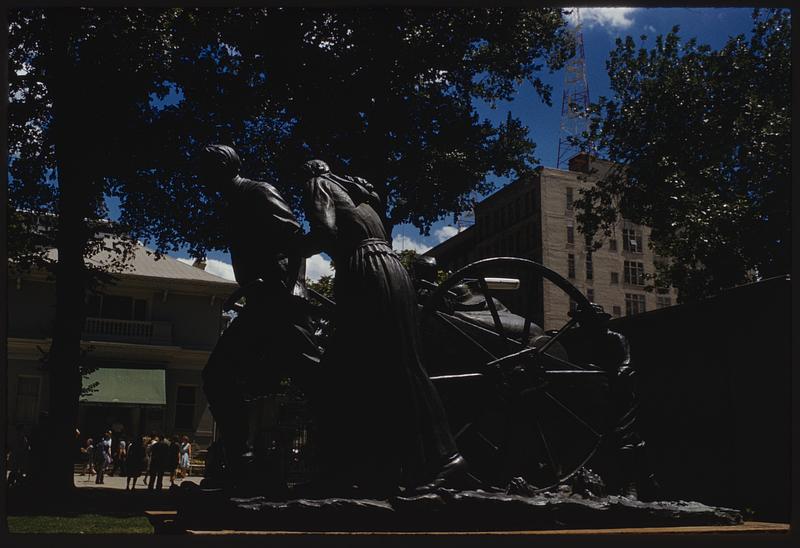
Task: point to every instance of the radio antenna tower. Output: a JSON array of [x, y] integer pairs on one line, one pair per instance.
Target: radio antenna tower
[[467, 218], [575, 99]]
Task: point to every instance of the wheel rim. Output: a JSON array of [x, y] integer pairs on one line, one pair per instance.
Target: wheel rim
[[519, 425]]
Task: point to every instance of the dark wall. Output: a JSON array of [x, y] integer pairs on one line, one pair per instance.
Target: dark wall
[[715, 385]]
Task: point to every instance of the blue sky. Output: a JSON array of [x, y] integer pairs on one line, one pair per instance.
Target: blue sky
[[601, 26]]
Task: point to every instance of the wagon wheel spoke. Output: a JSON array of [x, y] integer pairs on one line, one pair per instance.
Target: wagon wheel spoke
[[488, 442], [463, 429], [569, 412], [556, 468], [443, 318], [498, 325], [566, 327], [566, 364]]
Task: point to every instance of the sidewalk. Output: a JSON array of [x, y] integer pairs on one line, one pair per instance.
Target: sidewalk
[[118, 482]]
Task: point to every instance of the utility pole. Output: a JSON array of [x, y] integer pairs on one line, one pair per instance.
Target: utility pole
[[575, 99]]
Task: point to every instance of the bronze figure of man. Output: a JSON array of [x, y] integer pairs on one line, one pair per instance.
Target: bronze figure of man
[[270, 333]]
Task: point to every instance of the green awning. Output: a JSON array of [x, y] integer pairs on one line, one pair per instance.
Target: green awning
[[137, 386]]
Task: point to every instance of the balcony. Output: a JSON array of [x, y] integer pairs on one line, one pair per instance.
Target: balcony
[[105, 329]]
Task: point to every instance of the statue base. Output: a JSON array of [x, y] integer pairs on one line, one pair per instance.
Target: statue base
[[442, 510]]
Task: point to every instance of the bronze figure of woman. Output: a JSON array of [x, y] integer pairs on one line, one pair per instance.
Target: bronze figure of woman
[[382, 422]]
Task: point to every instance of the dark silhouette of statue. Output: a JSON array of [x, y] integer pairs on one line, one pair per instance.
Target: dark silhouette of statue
[[381, 420], [270, 334], [630, 473]]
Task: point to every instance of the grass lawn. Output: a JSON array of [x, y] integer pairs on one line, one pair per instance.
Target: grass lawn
[[79, 524]]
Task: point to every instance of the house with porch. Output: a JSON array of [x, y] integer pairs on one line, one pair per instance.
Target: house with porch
[[147, 337]]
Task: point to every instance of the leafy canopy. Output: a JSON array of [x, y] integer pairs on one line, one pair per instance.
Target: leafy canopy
[[384, 93], [702, 143]]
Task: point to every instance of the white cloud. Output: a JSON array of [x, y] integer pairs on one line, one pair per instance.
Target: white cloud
[[215, 267], [608, 18], [401, 242], [220, 268], [318, 266], [445, 233], [650, 28]]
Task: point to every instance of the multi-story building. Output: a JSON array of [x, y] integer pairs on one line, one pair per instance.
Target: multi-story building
[[534, 218], [148, 335]]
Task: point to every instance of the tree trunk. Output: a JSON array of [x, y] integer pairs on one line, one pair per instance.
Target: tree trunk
[[73, 202]]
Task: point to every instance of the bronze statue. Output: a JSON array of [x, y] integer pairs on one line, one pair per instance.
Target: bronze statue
[[630, 474], [383, 424], [271, 331]]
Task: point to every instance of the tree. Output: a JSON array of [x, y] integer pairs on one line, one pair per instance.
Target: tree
[[384, 93], [701, 141], [323, 286], [79, 83]]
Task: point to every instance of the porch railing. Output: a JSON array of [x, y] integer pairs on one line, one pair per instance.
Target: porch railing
[[128, 330]]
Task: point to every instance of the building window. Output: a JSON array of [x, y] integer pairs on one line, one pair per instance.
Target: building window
[[154, 419], [662, 301], [615, 277], [616, 311], [569, 198], [184, 407], [570, 234], [589, 266], [27, 399], [590, 294], [632, 240], [570, 265], [634, 273], [634, 304], [612, 245], [116, 307]]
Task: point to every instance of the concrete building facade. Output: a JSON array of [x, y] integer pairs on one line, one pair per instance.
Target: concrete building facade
[[148, 335], [534, 218]]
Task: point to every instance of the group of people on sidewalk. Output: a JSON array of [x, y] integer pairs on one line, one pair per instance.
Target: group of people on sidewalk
[[150, 457]]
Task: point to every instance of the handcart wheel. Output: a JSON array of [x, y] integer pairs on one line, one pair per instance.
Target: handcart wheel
[[518, 406]]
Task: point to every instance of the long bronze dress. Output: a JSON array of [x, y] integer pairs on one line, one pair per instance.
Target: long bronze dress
[[384, 422]]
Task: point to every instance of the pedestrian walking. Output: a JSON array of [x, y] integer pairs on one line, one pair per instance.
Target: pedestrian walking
[[159, 463], [135, 462], [119, 457], [102, 458], [173, 460], [108, 451], [88, 455], [149, 441], [18, 456], [185, 456]]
